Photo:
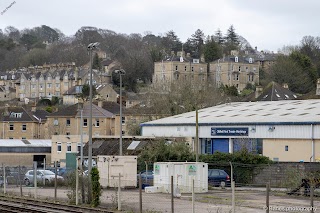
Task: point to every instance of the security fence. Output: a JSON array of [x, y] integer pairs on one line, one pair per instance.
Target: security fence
[[249, 195]]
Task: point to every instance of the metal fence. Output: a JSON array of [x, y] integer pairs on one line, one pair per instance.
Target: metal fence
[[246, 196]]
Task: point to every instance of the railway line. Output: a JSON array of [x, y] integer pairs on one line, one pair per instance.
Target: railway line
[[12, 204]]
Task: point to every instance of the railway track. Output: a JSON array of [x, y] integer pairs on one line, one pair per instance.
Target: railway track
[[13, 204]]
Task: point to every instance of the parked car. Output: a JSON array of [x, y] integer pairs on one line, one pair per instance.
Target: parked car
[[146, 178], [218, 177], [42, 175]]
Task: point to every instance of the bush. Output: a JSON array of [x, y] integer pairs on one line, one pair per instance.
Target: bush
[[96, 187]]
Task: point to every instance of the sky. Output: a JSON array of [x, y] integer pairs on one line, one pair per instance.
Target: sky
[[266, 24]]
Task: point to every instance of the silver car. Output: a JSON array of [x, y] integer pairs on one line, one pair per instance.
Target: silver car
[[45, 176]]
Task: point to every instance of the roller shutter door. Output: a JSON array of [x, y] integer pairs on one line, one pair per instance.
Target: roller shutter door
[[220, 145]]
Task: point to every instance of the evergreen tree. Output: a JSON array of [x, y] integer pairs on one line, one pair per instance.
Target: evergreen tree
[[219, 37], [96, 63], [212, 50]]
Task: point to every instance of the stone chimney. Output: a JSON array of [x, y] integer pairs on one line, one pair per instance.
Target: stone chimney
[[188, 55], [285, 85], [318, 87], [100, 103], [6, 110], [33, 108], [172, 52], [258, 91], [256, 48]]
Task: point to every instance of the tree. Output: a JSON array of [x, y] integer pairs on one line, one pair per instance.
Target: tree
[[28, 40], [85, 95], [231, 40], [197, 42], [219, 37], [212, 50], [96, 62], [287, 70], [171, 42]]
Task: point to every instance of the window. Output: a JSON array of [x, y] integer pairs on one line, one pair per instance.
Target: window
[[123, 120], [11, 128], [55, 122], [68, 122], [97, 123], [79, 147], [41, 86], [23, 138], [67, 133], [286, 148], [185, 68], [250, 77], [250, 60], [68, 147], [59, 147], [57, 85], [176, 67], [24, 127], [85, 122], [10, 137], [49, 85], [236, 77], [192, 69], [239, 68], [33, 86]]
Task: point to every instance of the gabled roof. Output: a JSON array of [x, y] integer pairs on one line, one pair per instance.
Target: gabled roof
[[16, 114], [40, 115], [111, 107], [110, 146], [275, 92], [74, 111], [272, 92]]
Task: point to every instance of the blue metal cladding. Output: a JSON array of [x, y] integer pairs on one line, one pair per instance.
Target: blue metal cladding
[[220, 145]]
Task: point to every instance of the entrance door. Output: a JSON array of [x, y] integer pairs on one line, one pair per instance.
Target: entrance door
[[39, 159]]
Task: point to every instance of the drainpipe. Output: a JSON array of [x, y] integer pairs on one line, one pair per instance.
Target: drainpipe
[[312, 145]]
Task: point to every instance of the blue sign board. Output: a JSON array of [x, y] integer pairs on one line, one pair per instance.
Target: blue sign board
[[225, 131]]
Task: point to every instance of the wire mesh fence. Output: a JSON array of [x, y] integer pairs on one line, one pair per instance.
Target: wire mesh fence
[[149, 194]]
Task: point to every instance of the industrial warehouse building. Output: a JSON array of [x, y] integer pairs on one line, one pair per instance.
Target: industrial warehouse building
[[287, 130]]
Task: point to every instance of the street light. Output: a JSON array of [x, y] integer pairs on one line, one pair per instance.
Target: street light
[[120, 72], [91, 47]]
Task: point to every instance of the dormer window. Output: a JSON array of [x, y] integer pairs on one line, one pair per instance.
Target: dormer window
[[236, 59], [250, 60], [15, 115]]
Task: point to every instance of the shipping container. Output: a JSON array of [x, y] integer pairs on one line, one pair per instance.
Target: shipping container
[[183, 174], [111, 166]]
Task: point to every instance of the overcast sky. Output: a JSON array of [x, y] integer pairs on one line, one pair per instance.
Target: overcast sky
[[267, 24]]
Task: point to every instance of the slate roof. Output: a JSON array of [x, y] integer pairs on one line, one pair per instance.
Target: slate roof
[[273, 92], [111, 107], [74, 111], [40, 114], [13, 116], [110, 146]]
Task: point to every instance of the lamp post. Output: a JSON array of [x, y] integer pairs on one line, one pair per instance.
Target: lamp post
[[90, 48], [121, 72]]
